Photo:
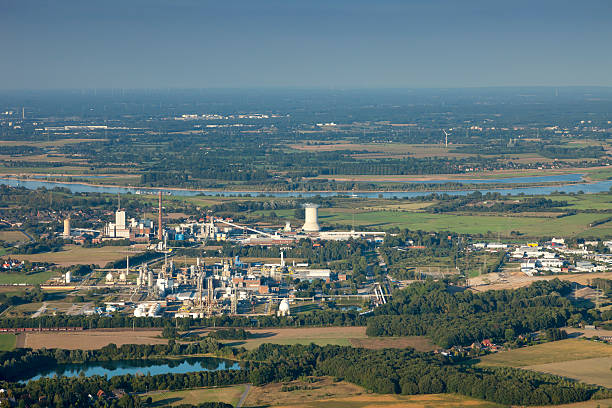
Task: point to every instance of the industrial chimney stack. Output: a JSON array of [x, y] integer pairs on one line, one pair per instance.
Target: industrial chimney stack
[[159, 218], [67, 227]]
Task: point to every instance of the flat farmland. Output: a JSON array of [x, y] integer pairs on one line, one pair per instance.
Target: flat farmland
[[13, 236], [552, 352], [318, 335], [54, 143], [464, 224], [75, 254], [586, 201], [7, 341], [229, 395], [603, 232], [603, 403], [92, 339], [342, 336], [395, 401], [28, 279], [513, 280], [324, 392], [590, 371]]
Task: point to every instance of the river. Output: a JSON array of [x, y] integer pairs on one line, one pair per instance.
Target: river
[[596, 187]]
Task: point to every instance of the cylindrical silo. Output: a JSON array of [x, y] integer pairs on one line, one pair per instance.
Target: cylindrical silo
[[67, 228]]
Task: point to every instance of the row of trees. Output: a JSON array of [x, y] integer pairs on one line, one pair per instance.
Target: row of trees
[[320, 318]]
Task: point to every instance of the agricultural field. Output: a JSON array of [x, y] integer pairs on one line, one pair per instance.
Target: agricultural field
[[10, 278], [552, 352], [580, 359], [498, 281], [92, 339], [604, 403], [229, 395], [13, 236], [341, 336], [397, 150], [7, 341], [396, 401], [75, 254], [590, 371], [324, 392], [464, 224], [596, 174], [586, 201]]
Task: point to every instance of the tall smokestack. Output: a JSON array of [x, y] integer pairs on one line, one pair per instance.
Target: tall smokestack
[[159, 219]]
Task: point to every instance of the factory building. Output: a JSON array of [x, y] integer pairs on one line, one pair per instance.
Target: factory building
[[118, 229]]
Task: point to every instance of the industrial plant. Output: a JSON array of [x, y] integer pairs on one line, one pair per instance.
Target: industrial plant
[[195, 289]]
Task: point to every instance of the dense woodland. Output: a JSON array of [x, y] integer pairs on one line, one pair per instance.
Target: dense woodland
[[461, 318], [386, 371]]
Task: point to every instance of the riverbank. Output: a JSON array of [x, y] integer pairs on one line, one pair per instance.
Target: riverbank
[[526, 188]]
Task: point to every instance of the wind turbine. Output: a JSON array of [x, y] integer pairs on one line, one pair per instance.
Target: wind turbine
[[445, 138]]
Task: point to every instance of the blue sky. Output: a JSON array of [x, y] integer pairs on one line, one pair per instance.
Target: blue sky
[[308, 43]]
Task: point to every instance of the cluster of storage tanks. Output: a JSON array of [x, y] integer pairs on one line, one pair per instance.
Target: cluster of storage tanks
[[147, 310]]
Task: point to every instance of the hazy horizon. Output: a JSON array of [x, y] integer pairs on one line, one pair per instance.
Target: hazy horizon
[[188, 44]]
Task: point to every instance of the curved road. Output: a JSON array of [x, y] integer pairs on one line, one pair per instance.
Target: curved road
[[244, 396]]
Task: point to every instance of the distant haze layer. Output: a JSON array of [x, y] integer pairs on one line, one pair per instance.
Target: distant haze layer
[[356, 43]]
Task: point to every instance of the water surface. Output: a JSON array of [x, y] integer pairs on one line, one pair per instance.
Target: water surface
[[597, 187], [137, 367]]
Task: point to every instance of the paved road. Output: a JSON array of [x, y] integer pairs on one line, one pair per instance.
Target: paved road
[[244, 396], [40, 311]]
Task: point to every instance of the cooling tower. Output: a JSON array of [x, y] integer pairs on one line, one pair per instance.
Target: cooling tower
[[311, 219]]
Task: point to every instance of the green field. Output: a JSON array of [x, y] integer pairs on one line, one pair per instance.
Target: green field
[[385, 214], [599, 174], [553, 352], [7, 341], [318, 335], [466, 224], [32, 279], [585, 201]]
